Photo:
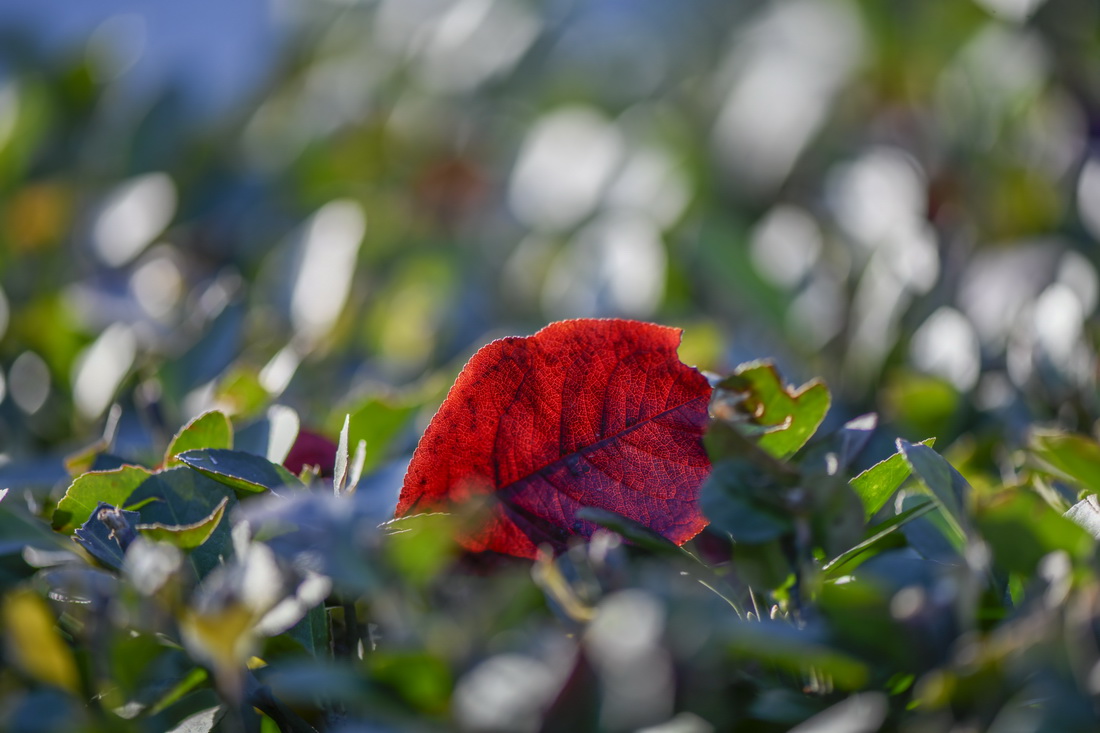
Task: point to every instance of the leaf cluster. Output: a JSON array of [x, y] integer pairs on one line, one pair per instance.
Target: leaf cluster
[[218, 591]]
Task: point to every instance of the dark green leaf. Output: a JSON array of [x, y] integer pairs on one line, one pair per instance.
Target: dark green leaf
[[743, 502], [632, 531], [242, 471], [312, 632], [186, 497], [107, 533], [947, 485], [879, 532]]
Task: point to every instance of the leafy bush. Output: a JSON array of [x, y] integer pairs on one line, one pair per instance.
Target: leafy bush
[[217, 588], [903, 198]]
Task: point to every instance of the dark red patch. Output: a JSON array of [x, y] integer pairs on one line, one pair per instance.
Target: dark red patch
[[311, 449]]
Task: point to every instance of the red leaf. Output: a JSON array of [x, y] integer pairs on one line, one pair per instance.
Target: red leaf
[[584, 413], [311, 449]]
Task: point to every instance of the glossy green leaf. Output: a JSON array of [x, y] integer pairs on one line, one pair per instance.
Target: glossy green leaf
[[794, 413], [86, 491], [878, 483], [947, 486], [208, 430], [242, 471], [877, 533], [186, 536]]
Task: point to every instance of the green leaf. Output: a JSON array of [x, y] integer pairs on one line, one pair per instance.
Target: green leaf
[[186, 536], [878, 483], [1021, 529], [312, 632], [631, 530], [86, 491], [743, 502], [243, 472], [187, 497], [795, 413], [948, 487], [877, 533], [1073, 458], [208, 430]]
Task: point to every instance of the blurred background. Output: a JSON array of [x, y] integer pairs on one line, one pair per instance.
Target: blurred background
[[331, 204]]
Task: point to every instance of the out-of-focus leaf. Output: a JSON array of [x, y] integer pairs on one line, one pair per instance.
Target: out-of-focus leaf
[[294, 526], [631, 531], [1086, 514], [947, 485], [379, 421], [795, 650], [878, 483], [422, 680], [860, 713], [186, 536], [355, 468], [309, 682], [241, 471], [208, 430], [107, 533], [1068, 456], [767, 401], [272, 435], [22, 533], [33, 644], [922, 404], [186, 497], [203, 721], [311, 452], [240, 392], [422, 545], [312, 632], [87, 491], [745, 503], [837, 451], [1021, 529]]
